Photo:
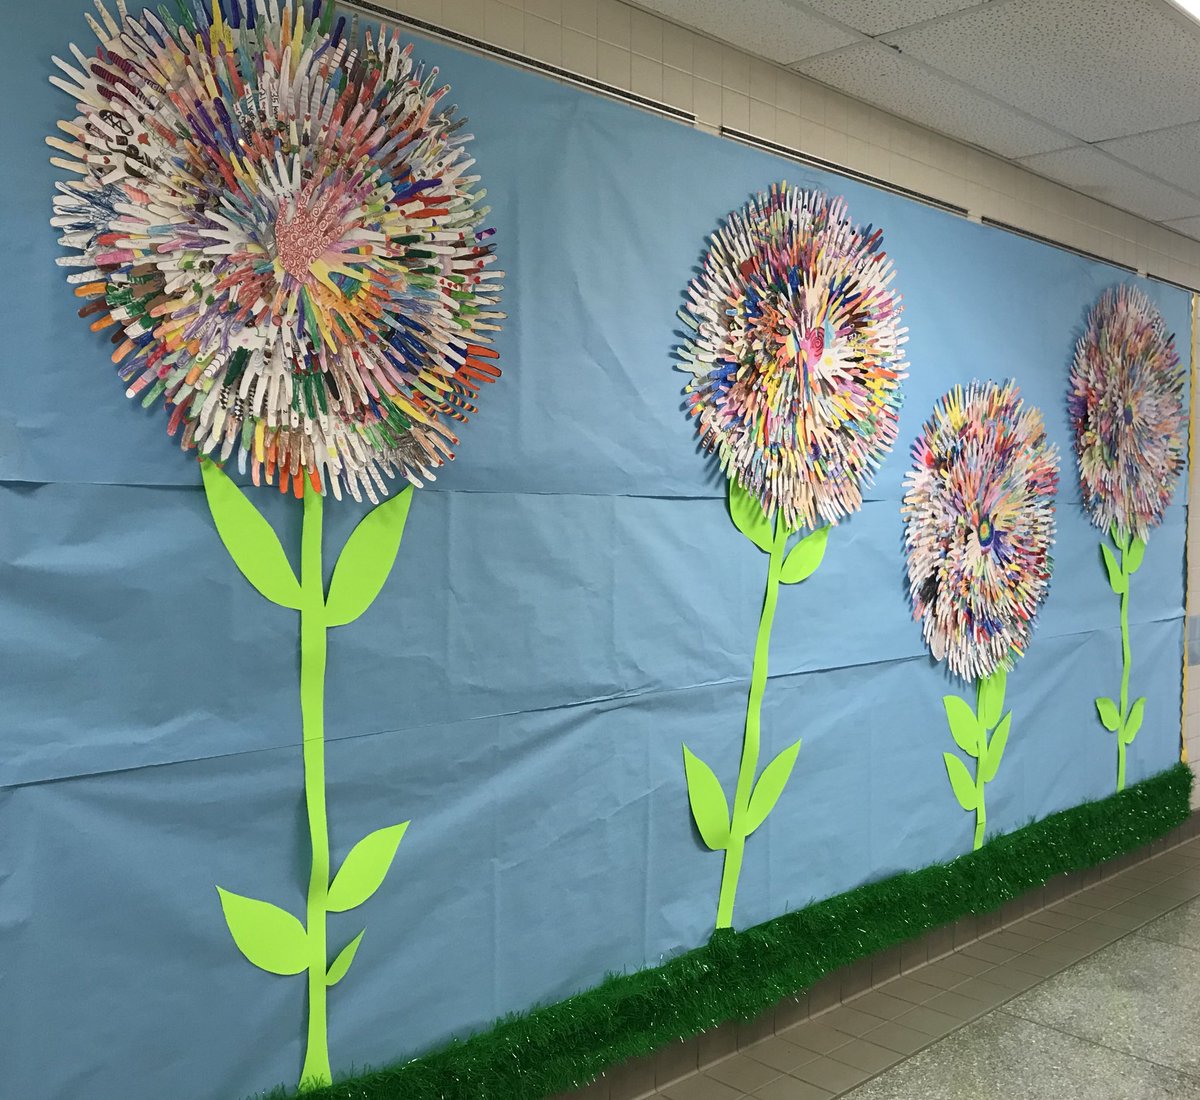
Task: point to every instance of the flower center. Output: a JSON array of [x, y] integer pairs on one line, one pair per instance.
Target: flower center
[[987, 533], [303, 237]]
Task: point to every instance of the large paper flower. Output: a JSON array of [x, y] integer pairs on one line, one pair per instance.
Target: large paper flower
[[1126, 407], [281, 224], [797, 354], [979, 512]]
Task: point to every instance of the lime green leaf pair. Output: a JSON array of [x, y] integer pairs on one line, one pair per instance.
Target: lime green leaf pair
[[748, 517], [970, 730]]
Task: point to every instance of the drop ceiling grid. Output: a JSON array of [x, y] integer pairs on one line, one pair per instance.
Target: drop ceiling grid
[[828, 123]]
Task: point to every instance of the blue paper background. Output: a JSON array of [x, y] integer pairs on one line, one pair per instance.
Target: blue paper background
[[570, 603]]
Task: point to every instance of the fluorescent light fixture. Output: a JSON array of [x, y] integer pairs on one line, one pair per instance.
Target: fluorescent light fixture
[[1188, 7]]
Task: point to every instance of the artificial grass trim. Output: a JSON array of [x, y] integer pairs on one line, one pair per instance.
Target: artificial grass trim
[[739, 974]]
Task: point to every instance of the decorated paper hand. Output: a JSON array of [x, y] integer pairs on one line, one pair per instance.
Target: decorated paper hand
[[796, 364], [278, 221], [1126, 407], [979, 524]]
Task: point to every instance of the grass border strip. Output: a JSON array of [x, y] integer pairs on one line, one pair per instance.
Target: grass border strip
[[740, 974]]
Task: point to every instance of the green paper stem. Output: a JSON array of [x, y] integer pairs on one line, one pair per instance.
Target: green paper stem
[[971, 729], [313, 640], [752, 741], [1122, 718]]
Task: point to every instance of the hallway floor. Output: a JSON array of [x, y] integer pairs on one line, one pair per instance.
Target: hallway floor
[[1097, 997]]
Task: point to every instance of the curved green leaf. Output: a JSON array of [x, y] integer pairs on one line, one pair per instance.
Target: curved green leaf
[[1109, 714], [364, 869], [748, 516], [1134, 555], [770, 786], [968, 733], [337, 971], [249, 538], [990, 696], [803, 558], [366, 560], [709, 808], [270, 937], [1116, 579], [990, 762], [961, 781], [1134, 722]]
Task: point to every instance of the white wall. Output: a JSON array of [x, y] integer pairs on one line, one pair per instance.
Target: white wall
[[630, 50]]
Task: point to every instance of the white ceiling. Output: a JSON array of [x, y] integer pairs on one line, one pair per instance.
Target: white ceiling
[[1100, 95]]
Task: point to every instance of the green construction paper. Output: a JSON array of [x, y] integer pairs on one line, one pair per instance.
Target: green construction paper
[[961, 782], [339, 966], [270, 937], [250, 539], [1116, 578], [366, 560], [748, 516], [995, 749], [709, 808], [1134, 722], [1109, 715], [805, 556], [1134, 555], [990, 697], [364, 869], [770, 786], [966, 729]]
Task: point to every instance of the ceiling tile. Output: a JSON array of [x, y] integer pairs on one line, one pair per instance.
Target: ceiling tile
[[881, 16], [1189, 227], [1101, 176], [1173, 154], [773, 29], [882, 76], [1096, 68]]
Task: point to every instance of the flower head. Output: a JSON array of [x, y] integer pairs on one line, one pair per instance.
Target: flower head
[[279, 222], [797, 354], [1126, 408], [979, 523]]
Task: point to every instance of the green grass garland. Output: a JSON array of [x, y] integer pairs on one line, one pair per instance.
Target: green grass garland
[[740, 974]]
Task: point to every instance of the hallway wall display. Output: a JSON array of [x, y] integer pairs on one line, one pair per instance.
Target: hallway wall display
[[572, 603], [1126, 404]]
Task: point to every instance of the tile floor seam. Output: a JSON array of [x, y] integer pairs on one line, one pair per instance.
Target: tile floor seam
[[1193, 1074]]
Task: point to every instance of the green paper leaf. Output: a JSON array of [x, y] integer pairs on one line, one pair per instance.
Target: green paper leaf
[[995, 750], [366, 560], [341, 964], [270, 937], [1109, 714], [1134, 722], [364, 869], [1134, 555], [709, 808], [960, 781], [748, 516], [1116, 579], [990, 695], [965, 727], [770, 786], [250, 539], [803, 558]]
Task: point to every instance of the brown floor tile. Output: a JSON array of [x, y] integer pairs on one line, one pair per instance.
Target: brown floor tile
[[742, 1072], [851, 1020], [701, 1087], [881, 1003], [989, 952], [960, 1006], [815, 1036], [930, 1021], [828, 1074], [1016, 981], [778, 1054], [863, 1054], [945, 976], [791, 1088], [897, 1037], [981, 989], [1013, 941], [1053, 919], [911, 988]]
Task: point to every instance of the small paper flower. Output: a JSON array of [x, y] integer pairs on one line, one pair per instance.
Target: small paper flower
[[280, 223], [1126, 408], [797, 354], [979, 514]]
